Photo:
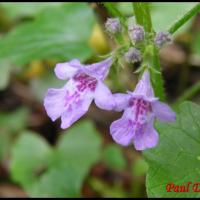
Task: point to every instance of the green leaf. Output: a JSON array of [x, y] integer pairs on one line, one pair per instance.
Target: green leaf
[[196, 44], [139, 167], [176, 158], [11, 124], [5, 69], [57, 33], [17, 10], [113, 157], [64, 167], [30, 155], [14, 121]]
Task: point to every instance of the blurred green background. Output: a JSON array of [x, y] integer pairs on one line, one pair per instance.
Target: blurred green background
[[37, 158]]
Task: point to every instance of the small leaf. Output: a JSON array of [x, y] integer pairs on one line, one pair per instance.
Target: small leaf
[[14, 121], [30, 154], [139, 167], [176, 158], [114, 158]]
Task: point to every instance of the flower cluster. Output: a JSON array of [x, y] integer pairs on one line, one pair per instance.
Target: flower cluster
[[85, 83]]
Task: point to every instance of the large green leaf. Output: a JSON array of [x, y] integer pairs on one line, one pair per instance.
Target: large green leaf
[[64, 167], [57, 33], [176, 159], [17, 10]]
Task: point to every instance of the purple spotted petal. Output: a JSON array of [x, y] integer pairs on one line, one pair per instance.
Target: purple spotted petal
[[163, 112], [122, 131], [67, 70], [99, 70], [146, 137], [144, 87], [121, 101], [76, 108], [103, 97]]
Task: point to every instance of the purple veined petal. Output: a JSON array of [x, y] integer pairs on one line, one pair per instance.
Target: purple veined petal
[[144, 86], [146, 137], [103, 97], [67, 70], [122, 131], [163, 112], [99, 70], [76, 104], [121, 101]]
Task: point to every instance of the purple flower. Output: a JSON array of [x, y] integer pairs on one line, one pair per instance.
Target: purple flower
[[136, 32], [113, 25], [85, 83], [141, 108], [162, 38], [132, 55]]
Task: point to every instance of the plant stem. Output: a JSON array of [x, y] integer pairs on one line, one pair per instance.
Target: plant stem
[[184, 19], [143, 17], [188, 94]]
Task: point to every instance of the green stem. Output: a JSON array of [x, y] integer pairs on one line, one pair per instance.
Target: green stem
[[184, 19], [188, 94], [143, 17]]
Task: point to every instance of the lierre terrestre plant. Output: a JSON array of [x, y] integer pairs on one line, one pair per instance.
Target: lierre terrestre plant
[[156, 133]]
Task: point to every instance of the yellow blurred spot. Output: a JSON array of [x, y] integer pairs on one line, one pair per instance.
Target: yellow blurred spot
[[98, 41], [36, 68]]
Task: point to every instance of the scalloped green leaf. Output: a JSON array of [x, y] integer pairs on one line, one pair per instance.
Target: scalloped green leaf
[[176, 159]]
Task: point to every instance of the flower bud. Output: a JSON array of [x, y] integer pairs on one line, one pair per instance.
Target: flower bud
[[136, 32], [162, 38], [113, 25], [132, 55]]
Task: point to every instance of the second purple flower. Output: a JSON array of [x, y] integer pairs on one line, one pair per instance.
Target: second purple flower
[[140, 107]]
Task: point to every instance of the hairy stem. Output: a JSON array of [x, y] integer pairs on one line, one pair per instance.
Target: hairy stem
[[143, 17]]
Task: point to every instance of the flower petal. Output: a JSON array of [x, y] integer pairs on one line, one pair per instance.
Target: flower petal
[[54, 102], [122, 131], [103, 97], [144, 86], [146, 137], [163, 112], [98, 70], [67, 70], [121, 101], [76, 105]]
